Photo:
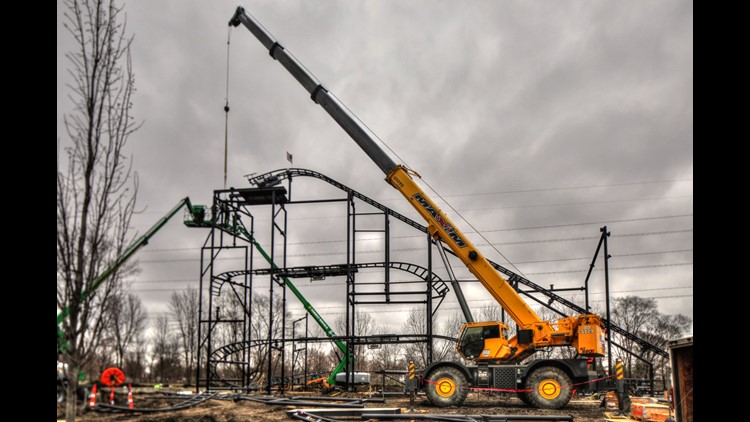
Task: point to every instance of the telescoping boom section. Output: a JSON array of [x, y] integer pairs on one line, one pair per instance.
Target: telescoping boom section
[[483, 342]]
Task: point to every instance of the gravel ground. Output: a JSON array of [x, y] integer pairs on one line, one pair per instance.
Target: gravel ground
[[582, 410]]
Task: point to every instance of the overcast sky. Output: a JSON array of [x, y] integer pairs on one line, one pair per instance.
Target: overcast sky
[[571, 114]]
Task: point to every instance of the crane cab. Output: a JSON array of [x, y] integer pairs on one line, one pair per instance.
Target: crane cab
[[484, 341]]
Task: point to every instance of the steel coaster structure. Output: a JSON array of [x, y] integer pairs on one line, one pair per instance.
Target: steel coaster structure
[[232, 233], [232, 229]]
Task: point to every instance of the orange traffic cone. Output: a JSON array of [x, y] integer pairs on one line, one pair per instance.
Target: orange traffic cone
[[92, 397], [130, 396]]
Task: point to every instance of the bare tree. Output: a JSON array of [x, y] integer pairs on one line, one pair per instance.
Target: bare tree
[[444, 349], [127, 322], [666, 327], [165, 345], [489, 312], [321, 356], [184, 307], [416, 323], [640, 316], [94, 202], [135, 359], [494, 312], [634, 314], [388, 356], [363, 326], [261, 312], [261, 315], [318, 360]]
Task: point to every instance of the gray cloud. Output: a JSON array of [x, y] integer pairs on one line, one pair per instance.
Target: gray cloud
[[477, 96]]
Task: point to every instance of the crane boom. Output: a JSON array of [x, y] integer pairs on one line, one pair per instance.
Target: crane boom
[[317, 91]]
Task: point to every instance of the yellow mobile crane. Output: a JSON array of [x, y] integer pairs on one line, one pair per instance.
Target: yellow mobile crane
[[544, 383]]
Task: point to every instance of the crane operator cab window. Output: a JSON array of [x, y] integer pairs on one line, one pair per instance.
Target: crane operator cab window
[[472, 340]]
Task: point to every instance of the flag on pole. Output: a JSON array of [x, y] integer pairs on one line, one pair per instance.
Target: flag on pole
[[289, 157]]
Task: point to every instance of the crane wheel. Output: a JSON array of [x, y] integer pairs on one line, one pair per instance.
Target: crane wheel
[[524, 398], [447, 387], [550, 388], [60, 393]]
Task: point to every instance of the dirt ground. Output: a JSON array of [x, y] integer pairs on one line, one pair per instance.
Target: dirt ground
[[582, 410]]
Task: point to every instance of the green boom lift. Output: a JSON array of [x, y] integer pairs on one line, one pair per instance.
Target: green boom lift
[[331, 380], [197, 213]]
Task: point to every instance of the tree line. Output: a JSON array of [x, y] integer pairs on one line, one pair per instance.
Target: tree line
[[164, 350], [100, 324]]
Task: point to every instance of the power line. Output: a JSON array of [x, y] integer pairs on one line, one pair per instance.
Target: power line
[[614, 269], [369, 239], [392, 308], [184, 280], [486, 302], [264, 288], [160, 261], [578, 203], [473, 228], [568, 239], [469, 281], [522, 190], [491, 302], [652, 253], [591, 223], [646, 290], [571, 239], [570, 187], [514, 206], [614, 256], [457, 211], [506, 229], [379, 283]]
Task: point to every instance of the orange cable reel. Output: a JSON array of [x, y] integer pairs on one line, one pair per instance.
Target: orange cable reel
[[112, 377]]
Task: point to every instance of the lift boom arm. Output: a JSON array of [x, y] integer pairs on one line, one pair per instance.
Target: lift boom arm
[[307, 305], [538, 333], [195, 211]]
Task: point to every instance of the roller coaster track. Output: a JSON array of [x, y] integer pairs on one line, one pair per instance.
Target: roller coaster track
[[222, 355], [330, 270], [276, 176], [189, 402]]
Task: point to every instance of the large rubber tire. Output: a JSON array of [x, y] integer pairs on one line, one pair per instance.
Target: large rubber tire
[[524, 398], [447, 386], [60, 393], [550, 388]]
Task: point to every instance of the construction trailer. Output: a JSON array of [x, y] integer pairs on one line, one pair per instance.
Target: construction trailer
[[681, 360]]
